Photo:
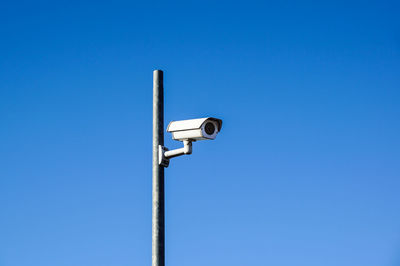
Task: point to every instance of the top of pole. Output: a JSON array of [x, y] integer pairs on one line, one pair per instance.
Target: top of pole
[[158, 78]]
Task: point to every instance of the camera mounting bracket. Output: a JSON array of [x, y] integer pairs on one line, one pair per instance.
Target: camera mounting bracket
[[164, 154]]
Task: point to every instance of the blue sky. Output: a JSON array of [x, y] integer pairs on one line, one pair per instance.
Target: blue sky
[[305, 171]]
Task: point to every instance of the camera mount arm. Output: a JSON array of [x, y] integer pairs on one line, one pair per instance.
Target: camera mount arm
[[164, 154]]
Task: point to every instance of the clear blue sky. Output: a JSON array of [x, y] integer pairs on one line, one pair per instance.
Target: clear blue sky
[[306, 170]]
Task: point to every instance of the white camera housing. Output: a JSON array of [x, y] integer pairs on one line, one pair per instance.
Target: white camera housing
[[195, 129], [188, 131]]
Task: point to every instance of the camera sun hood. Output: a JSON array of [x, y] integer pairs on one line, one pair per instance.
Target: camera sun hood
[[174, 126]]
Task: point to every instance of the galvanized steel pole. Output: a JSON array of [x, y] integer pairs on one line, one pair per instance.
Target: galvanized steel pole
[[158, 230]]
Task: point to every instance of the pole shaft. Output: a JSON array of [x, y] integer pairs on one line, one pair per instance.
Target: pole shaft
[[158, 225]]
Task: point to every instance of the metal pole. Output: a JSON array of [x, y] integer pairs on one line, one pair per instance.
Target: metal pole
[[158, 235]]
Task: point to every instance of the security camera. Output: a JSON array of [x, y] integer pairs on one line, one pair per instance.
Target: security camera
[[188, 131], [195, 129]]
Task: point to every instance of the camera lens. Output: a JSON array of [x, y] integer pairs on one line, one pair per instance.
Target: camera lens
[[209, 128]]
